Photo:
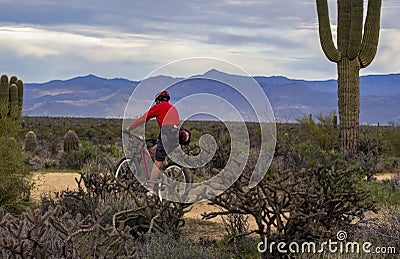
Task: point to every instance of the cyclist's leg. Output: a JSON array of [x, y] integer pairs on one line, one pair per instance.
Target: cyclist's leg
[[170, 139], [155, 172], [159, 158]]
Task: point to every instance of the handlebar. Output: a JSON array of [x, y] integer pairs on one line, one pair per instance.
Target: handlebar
[[139, 137]]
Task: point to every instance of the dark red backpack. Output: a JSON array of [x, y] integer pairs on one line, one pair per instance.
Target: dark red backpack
[[184, 136]]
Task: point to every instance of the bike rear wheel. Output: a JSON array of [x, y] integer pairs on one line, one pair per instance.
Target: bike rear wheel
[[178, 174]]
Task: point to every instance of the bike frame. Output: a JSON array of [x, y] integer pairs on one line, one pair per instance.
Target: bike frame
[[143, 154], [140, 153]]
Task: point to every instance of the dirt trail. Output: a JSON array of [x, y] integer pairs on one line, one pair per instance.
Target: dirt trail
[[49, 183]]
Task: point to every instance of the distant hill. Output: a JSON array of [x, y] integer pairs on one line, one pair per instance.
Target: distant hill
[[92, 96]]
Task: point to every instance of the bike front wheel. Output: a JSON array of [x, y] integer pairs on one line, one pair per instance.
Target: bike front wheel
[[126, 169]]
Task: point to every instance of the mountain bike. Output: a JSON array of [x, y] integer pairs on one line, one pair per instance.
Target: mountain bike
[[139, 164]]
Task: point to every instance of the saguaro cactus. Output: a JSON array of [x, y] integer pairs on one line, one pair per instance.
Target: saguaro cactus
[[30, 142], [71, 141], [355, 50], [11, 96]]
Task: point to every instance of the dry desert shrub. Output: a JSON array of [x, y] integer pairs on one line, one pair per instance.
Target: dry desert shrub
[[104, 218]]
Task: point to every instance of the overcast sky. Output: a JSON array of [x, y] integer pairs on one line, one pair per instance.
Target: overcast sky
[[41, 40]]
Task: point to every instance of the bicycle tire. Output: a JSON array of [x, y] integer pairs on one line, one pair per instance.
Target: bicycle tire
[[125, 169], [179, 174], [183, 171], [124, 172]]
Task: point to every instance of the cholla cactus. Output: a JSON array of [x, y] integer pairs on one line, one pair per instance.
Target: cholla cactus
[[30, 142], [71, 141]]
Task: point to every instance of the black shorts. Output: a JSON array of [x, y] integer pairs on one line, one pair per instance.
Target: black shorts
[[167, 143]]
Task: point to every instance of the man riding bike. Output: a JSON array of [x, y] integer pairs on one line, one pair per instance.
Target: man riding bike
[[168, 120]]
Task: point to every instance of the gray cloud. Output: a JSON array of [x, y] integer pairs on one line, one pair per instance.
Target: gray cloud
[[128, 38]]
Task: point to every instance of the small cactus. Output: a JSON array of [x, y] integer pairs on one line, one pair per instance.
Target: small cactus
[[71, 141], [335, 120], [30, 142]]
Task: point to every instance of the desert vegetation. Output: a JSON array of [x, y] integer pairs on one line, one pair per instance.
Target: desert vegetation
[[309, 193]]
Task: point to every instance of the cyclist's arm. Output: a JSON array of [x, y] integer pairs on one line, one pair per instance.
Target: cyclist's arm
[[152, 113]]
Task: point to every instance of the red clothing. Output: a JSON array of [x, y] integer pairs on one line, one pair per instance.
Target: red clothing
[[164, 112]]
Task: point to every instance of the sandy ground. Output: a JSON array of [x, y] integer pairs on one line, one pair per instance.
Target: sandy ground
[[49, 183]]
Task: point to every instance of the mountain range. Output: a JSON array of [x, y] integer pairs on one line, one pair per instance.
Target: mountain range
[[92, 96]]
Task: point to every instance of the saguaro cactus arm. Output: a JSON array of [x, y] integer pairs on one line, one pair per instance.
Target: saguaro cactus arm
[[370, 38], [14, 109], [356, 24], [325, 33], [20, 85], [4, 92], [4, 96]]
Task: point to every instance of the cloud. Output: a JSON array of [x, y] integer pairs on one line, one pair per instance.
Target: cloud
[[125, 38]]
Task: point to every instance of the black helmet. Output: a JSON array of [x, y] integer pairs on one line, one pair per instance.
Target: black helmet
[[162, 96]]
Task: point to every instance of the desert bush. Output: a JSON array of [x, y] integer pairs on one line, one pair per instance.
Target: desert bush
[[55, 234], [370, 157], [391, 140], [395, 181], [127, 202], [235, 224], [103, 218], [382, 192], [164, 246], [76, 159], [382, 231], [14, 175], [309, 196], [323, 133], [106, 131]]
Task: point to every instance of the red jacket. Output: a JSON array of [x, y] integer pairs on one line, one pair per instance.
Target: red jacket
[[164, 112]]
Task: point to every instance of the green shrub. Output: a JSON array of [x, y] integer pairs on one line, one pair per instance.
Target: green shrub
[[77, 158], [392, 140], [324, 134], [14, 176], [382, 192]]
